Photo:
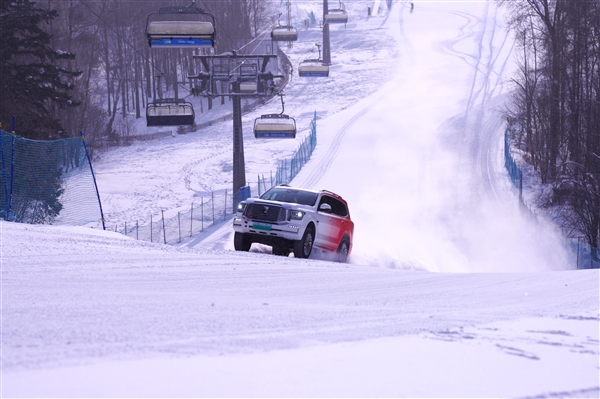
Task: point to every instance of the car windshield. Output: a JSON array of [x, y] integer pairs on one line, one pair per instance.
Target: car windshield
[[291, 195]]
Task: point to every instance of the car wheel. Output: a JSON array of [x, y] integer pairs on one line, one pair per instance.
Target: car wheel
[[303, 247], [241, 242], [281, 251], [342, 251]]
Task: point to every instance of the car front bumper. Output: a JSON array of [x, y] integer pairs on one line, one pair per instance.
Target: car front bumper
[[286, 230]]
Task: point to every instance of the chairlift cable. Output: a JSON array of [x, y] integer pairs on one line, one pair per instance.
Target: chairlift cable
[[259, 35], [252, 52]]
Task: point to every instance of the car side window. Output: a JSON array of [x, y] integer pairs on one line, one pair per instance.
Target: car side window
[[337, 207]]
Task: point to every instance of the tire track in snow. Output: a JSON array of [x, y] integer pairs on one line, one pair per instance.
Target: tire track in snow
[[333, 150], [188, 169], [485, 158], [483, 87], [327, 159], [487, 131]]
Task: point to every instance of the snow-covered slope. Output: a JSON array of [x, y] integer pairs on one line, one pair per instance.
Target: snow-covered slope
[[408, 134], [90, 313]]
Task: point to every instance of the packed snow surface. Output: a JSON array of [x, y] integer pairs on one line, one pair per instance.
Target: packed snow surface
[[450, 290]]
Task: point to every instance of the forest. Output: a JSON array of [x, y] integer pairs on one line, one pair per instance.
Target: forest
[[555, 108], [74, 65]]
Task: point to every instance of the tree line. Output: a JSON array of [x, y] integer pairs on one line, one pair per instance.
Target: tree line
[[555, 109], [75, 65]]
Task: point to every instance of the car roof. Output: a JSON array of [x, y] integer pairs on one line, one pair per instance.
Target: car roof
[[309, 190]]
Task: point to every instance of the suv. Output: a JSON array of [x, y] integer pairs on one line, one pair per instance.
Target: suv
[[294, 220]]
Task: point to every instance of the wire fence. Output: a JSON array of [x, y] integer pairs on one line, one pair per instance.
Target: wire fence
[[173, 228], [216, 208], [586, 257]]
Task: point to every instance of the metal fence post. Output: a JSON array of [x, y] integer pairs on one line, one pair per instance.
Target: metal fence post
[[163, 223], [3, 172], [87, 154], [191, 219], [578, 238], [12, 173]]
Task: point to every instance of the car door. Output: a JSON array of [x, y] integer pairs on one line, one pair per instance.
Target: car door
[[330, 224], [341, 223]]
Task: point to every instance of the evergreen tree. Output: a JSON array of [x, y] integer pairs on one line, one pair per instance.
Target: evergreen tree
[[32, 81]]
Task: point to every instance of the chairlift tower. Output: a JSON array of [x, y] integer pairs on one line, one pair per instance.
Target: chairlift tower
[[289, 19], [247, 76], [326, 43]]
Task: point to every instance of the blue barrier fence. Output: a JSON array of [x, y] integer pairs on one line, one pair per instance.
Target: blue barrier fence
[[514, 172], [584, 252]]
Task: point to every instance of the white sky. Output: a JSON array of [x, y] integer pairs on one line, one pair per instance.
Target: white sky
[[410, 134]]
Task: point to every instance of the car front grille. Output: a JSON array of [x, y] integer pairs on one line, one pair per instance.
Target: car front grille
[[265, 212]]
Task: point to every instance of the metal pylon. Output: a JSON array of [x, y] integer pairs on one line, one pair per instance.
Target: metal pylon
[[239, 167], [326, 44]]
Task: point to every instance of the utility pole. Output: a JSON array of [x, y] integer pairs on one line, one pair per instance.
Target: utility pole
[[326, 44]]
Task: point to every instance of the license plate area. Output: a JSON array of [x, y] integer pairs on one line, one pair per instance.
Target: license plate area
[[261, 226]]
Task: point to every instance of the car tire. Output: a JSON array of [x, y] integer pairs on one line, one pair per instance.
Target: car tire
[[241, 242], [303, 247], [342, 251], [281, 251]]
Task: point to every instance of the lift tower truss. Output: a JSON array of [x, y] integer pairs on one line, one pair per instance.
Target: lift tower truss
[[236, 76]]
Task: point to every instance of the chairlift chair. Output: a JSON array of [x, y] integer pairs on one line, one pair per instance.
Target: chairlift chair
[[284, 34], [313, 68], [171, 112], [336, 16], [275, 125], [180, 27], [245, 88]]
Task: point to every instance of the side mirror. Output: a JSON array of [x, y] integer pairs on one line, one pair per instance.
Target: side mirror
[[325, 208]]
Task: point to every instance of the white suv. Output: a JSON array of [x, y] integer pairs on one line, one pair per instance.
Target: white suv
[[294, 220]]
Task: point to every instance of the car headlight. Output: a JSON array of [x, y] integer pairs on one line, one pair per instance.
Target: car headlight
[[296, 215], [241, 206]]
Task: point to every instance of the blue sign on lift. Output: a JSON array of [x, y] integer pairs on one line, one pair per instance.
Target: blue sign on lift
[[174, 43]]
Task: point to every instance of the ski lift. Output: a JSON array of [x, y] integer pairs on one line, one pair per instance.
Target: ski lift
[[180, 27], [336, 16], [170, 112], [284, 34], [275, 125], [314, 67], [245, 88]]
